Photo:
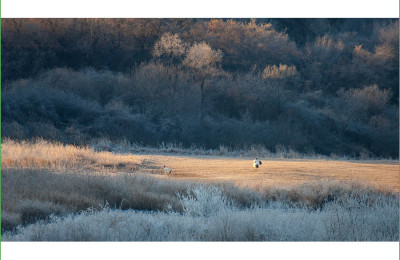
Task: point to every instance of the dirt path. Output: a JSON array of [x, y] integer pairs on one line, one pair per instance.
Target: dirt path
[[379, 174]]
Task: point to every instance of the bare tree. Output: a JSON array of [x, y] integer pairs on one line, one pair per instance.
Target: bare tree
[[204, 62], [169, 47], [360, 105], [281, 72], [280, 77]]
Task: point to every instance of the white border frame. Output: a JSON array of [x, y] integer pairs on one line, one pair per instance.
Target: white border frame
[[197, 9], [200, 9], [200, 250]]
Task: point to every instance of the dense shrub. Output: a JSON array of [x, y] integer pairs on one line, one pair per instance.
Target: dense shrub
[[208, 216]]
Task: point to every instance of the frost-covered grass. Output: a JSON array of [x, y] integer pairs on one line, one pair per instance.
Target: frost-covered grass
[[102, 152], [52, 191], [32, 194], [104, 144], [209, 215], [281, 151]]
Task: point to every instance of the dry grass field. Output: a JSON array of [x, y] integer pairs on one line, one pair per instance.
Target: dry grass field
[[48, 187], [57, 156], [380, 174], [383, 175]]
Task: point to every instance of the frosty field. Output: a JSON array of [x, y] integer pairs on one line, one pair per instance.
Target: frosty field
[[56, 192]]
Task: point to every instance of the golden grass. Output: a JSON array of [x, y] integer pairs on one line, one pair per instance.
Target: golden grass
[[44, 154], [382, 175], [40, 178]]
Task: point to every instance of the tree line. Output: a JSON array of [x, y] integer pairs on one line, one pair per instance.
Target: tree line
[[326, 85]]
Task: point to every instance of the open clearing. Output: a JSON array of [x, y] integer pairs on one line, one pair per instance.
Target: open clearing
[[79, 193], [383, 175], [380, 174]]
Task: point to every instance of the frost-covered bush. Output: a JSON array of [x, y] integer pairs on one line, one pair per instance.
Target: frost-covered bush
[[209, 216], [362, 218], [204, 201]]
